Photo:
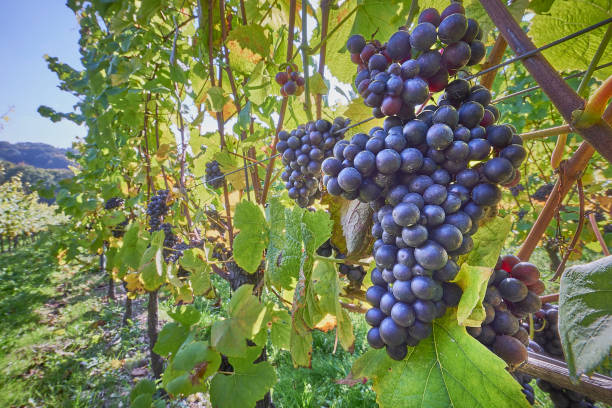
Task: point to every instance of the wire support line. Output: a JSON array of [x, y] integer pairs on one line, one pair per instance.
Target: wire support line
[[542, 48], [533, 88], [271, 157]]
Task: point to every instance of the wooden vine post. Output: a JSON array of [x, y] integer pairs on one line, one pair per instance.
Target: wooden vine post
[[598, 137]]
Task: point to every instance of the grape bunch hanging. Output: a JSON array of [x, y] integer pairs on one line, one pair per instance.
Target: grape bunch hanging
[[546, 340], [396, 76], [214, 176], [512, 294], [354, 273], [113, 202], [430, 180], [303, 150], [290, 80]]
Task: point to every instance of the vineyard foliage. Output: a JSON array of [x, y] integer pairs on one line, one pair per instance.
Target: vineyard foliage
[[167, 87], [22, 214]]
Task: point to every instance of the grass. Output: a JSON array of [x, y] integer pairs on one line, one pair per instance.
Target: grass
[[62, 343], [59, 345]]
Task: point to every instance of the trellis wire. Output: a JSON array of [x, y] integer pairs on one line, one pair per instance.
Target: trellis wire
[[484, 71], [542, 48], [533, 88]]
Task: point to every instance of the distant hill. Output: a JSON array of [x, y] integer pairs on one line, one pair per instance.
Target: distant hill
[[33, 178], [39, 155]]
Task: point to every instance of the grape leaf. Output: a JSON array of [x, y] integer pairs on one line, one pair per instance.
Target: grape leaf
[[567, 17], [448, 369], [372, 19], [476, 268], [246, 319], [246, 385], [351, 227], [251, 241], [187, 315], [585, 315], [170, 338], [328, 288], [285, 245]]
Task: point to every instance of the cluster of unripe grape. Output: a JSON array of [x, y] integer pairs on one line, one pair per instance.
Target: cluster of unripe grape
[[546, 340], [303, 150], [354, 273], [396, 76], [290, 80], [512, 294], [214, 176]]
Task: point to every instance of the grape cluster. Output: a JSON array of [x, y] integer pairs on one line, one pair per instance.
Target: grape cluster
[[430, 180], [303, 151], [113, 202], [547, 341], [157, 209], [353, 273], [214, 176], [291, 82], [395, 77], [119, 230], [527, 389], [542, 193], [511, 295]]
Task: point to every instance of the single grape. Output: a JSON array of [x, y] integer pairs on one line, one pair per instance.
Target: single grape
[[355, 44]]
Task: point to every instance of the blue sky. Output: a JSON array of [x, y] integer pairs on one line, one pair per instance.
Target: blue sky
[[30, 29]]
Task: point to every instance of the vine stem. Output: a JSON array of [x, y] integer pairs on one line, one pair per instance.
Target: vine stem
[[304, 48], [597, 233], [565, 99], [495, 57], [544, 133], [570, 171], [322, 52], [554, 297], [414, 6], [281, 115], [576, 237], [582, 91], [332, 32]]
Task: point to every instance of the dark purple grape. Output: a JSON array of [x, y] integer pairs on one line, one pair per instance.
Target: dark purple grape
[[480, 95], [387, 301], [397, 353], [378, 62], [349, 179], [430, 15], [486, 194], [373, 295], [405, 256], [420, 183], [409, 69], [412, 160], [451, 205], [420, 330], [395, 85], [414, 91], [456, 55], [454, 7], [435, 194], [472, 30], [452, 28], [355, 44], [512, 290], [401, 271], [423, 287], [403, 292], [431, 255], [402, 314], [406, 214], [388, 161], [374, 316], [333, 187], [447, 115], [423, 36], [477, 52], [433, 214], [385, 256], [439, 136], [479, 149], [448, 236], [415, 132], [395, 141], [498, 170], [471, 114], [364, 162], [430, 63], [499, 136], [398, 46], [414, 235], [374, 339], [514, 153], [447, 272], [439, 80], [458, 151], [505, 323]]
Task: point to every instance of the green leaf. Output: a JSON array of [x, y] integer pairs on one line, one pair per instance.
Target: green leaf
[[143, 387], [284, 246], [247, 316], [187, 315], [541, 6], [476, 268], [245, 386], [585, 315], [351, 227], [317, 84], [564, 18], [448, 369], [142, 401], [216, 98], [251, 241], [193, 355], [194, 260], [170, 338], [148, 8]]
